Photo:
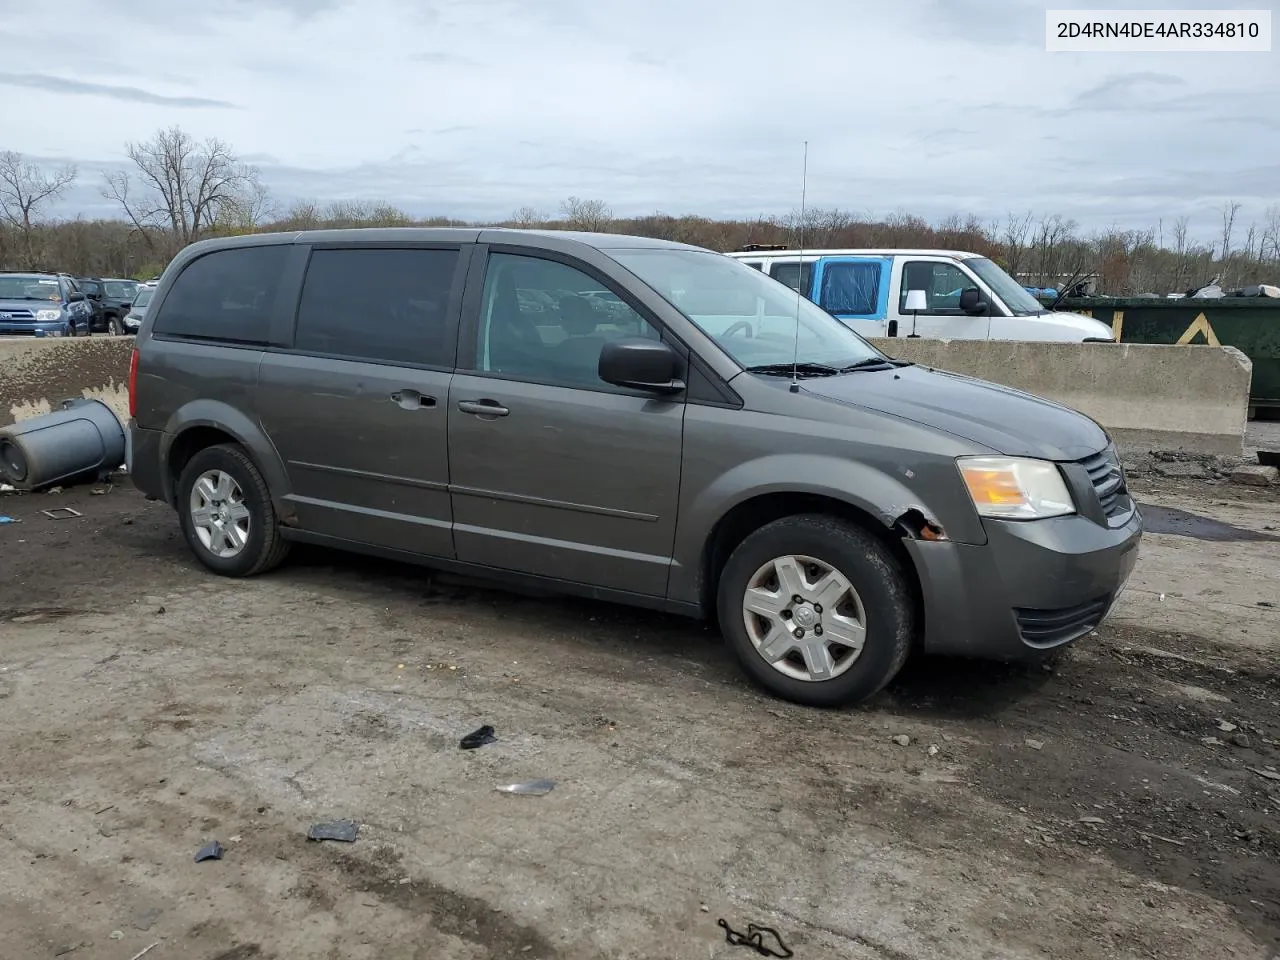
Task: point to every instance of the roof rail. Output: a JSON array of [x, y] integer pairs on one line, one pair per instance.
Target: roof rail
[[754, 247]]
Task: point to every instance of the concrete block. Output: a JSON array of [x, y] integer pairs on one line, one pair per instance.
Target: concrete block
[[1255, 475], [1148, 396], [37, 373]]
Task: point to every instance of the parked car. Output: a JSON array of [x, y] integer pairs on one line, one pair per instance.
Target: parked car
[[111, 299], [43, 305], [962, 296], [738, 454], [133, 319]]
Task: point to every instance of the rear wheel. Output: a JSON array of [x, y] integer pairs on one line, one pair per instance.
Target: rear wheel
[[818, 610], [227, 515], [115, 327]]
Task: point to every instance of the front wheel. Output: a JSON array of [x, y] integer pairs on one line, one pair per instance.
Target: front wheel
[[227, 515], [115, 327], [817, 610]]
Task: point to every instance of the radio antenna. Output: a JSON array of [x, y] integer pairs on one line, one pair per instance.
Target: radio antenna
[[795, 353]]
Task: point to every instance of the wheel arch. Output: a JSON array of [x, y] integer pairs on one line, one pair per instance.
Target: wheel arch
[[202, 424]]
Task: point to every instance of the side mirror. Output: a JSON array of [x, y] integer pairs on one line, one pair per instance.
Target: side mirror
[[973, 303], [76, 297], [641, 364]]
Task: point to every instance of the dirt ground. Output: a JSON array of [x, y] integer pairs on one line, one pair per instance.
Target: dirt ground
[[1119, 803]]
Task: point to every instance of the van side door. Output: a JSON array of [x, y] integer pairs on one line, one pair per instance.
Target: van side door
[[553, 471], [357, 405], [942, 279], [855, 290]]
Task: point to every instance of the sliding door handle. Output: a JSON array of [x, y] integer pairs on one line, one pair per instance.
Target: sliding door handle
[[483, 408]]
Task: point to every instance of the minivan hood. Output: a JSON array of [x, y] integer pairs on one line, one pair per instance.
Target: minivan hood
[[1006, 420]]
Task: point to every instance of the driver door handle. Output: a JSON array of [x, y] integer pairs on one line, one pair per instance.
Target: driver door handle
[[483, 408]]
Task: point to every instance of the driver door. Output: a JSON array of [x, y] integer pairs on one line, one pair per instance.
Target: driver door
[[942, 282]]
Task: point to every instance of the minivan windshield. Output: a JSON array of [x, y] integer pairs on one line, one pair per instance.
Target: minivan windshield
[[750, 315], [143, 297], [1019, 302]]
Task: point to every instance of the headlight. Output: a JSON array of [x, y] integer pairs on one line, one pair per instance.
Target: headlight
[[48, 316], [1016, 488]]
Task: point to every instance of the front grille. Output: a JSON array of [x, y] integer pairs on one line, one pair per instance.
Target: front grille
[[1048, 628], [17, 316], [1107, 478]]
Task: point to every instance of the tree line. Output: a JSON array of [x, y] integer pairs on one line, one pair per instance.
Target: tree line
[[176, 190]]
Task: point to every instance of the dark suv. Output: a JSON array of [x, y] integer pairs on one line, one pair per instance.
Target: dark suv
[[626, 419], [111, 299]]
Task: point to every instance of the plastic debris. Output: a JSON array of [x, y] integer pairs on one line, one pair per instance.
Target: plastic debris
[[529, 788], [478, 738], [755, 939], [342, 830], [144, 951], [1035, 744], [117, 934], [4, 520], [62, 513], [210, 851]]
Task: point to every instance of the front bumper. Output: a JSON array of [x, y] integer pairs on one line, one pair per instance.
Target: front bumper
[[1034, 586], [55, 328]]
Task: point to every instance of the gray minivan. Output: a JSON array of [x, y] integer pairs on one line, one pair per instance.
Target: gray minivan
[[628, 419]]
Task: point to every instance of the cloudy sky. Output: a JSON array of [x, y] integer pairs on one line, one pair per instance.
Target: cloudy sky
[[473, 108]]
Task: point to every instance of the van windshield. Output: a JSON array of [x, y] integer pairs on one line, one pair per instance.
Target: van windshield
[[1019, 302], [751, 316]]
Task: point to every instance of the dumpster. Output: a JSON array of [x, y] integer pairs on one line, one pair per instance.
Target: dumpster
[[1250, 324], [81, 441]]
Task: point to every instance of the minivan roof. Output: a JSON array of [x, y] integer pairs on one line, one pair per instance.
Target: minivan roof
[[860, 252], [599, 241]]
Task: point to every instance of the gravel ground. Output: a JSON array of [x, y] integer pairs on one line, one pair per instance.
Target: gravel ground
[[1121, 802]]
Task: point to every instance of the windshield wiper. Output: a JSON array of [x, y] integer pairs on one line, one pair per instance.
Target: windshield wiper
[[875, 363], [802, 369]]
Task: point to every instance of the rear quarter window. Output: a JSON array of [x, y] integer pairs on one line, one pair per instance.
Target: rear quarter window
[[226, 295]]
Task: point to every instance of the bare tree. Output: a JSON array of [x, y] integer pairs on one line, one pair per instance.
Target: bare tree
[[589, 215], [183, 187], [24, 189], [1017, 227], [528, 217], [1229, 211], [1270, 245]]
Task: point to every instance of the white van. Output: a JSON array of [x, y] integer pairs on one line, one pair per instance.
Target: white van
[[963, 296]]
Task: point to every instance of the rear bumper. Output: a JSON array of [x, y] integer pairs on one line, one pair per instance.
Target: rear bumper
[[1032, 587], [146, 468]]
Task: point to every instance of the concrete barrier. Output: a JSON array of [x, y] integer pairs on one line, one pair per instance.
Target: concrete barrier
[[37, 374], [1148, 396]]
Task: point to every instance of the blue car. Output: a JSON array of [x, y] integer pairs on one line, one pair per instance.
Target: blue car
[[43, 305]]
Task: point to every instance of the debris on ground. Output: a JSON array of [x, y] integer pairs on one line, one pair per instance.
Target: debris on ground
[[933, 749], [62, 513], [755, 938], [342, 830], [144, 951], [902, 740], [530, 788], [1226, 726], [146, 919], [117, 934], [478, 738], [1034, 744], [4, 520], [210, 851], [1269, 774]]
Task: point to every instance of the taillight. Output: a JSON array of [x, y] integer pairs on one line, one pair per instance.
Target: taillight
[[133, 384]]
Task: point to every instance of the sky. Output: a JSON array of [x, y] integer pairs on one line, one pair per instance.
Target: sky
[[474, 108]]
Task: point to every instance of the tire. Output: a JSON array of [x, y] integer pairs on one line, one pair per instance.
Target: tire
[[247, 499], [115, 327], [879, 598]]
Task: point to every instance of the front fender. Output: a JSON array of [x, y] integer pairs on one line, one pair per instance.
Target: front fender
[[245, 431], [866, 486]]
